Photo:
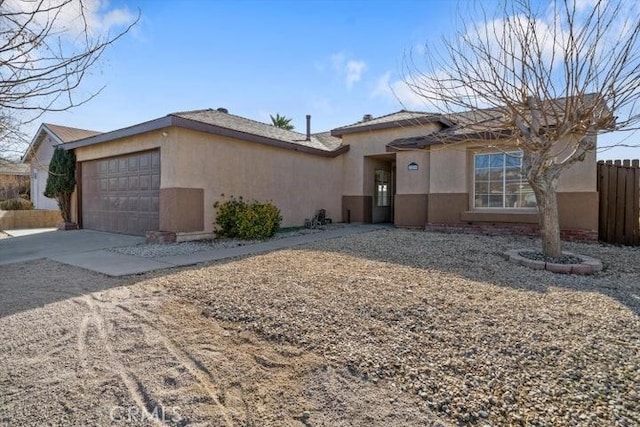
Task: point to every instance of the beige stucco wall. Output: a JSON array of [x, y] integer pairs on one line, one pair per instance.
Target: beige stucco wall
[[29, 219], [448, 172], [580, 177], [297, 183], [414, 181], [369, 143], [39, 174], [147, 141]]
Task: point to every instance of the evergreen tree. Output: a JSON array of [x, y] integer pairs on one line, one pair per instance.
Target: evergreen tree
[[62, 180]]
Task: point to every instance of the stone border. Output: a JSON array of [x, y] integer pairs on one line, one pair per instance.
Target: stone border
[[587, 266]]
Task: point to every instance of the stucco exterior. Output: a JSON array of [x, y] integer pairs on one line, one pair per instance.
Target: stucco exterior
[[438, 186], [297, 183], [203, 162]]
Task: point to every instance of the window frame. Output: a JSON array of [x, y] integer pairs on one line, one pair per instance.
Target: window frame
[[504, 194]]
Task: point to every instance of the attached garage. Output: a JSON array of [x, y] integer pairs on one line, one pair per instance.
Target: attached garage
[[121, 194]]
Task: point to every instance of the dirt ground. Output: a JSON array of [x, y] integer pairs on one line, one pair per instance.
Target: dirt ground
[[390, 328], [133, 355]]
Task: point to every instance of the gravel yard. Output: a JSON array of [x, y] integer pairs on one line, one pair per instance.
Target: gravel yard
[[187, 248], [389, 328]]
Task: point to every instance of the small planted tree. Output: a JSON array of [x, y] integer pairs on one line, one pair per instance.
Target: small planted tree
[[547, 80], [62, 180]]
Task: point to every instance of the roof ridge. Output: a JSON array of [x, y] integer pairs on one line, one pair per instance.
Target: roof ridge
[[190, 111], [303, 135], [423, 113], [71, 127]]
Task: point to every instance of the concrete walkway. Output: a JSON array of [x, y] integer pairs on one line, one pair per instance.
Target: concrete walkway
[[115, 264], [53, 243]]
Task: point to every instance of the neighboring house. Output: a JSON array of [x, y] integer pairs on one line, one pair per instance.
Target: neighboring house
[[167, 173], [14, 179], [38, 156]]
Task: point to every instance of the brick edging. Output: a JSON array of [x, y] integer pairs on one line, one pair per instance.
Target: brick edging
[[587, 266]]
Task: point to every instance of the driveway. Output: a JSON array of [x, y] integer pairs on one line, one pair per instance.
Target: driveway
[[56, 243]]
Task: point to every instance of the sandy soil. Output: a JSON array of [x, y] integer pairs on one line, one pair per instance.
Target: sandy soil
[[133, 355], [390, 328]]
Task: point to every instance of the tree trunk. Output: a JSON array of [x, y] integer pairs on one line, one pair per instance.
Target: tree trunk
[[64, 203], [544, 188]]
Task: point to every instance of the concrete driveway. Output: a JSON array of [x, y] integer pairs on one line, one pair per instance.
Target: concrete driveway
[[56, 243]]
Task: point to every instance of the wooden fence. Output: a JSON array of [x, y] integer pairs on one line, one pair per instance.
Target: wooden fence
[[619, 210]]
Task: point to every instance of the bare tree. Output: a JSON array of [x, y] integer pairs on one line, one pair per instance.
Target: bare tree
[[544, 80], [47, 48]]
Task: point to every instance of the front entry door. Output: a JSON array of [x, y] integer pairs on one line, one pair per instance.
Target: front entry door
[[382, 196]]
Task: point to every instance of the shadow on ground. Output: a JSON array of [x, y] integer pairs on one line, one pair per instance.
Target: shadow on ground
[[481, 258], [33, 284]]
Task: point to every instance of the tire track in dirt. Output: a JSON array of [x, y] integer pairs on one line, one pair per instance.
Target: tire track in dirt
[[81, 342], [194, 366], [131, 383]]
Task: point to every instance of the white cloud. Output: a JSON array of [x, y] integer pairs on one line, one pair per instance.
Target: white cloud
[[397, 90], [347, 68], [354, 71], [382, 88], [72, 17]]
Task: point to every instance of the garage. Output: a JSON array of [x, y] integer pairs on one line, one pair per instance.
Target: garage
[[121, 194]]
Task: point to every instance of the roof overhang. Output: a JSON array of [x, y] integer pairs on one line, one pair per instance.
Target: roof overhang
[[37, 140], [364, 127], [181, 122], [437, 138]]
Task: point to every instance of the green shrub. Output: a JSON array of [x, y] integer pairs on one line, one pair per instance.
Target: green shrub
[[17, 204], [247, 220]]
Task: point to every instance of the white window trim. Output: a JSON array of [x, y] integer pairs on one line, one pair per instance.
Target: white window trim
[[503, 209]]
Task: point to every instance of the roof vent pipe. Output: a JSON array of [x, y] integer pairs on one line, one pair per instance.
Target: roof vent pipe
[[367, 117], [308, 127], [223, 110]]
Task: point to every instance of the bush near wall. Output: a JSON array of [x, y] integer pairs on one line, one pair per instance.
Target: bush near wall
[[17, 204], [13, 186], [237, 218]]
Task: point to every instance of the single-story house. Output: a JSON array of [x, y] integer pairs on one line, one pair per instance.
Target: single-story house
[[166, 174], [38, 155]]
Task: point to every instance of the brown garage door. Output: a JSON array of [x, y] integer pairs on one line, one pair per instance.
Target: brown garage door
[[120, 194]]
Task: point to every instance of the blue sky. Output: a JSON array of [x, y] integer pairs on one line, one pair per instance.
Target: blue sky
[[334, 60]]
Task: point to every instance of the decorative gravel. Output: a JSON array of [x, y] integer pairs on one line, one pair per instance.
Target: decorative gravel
[[185, 248], [448, 320], [540, 256]]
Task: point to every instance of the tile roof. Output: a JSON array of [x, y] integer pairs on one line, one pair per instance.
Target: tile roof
[[320, 141], [68, 134], [492, 124], [399, 118], [60, 134]]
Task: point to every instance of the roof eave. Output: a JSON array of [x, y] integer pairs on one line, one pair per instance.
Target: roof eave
[[35, 142], [173, 120], [338, 132], [149, 126], [231, 133]]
